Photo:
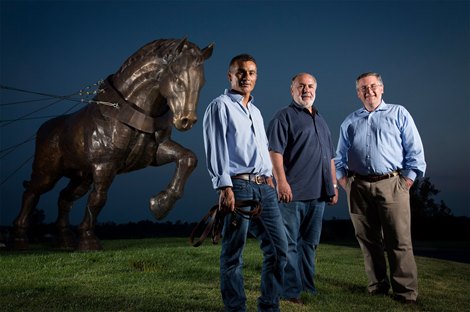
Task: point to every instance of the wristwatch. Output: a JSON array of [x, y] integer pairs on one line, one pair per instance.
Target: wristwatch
[[336, 186]]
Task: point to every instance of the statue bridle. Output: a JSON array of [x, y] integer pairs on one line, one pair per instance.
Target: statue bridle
[[115, 106]]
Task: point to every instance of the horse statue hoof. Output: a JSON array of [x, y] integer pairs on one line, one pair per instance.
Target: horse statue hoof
[[162, 204], [89, 242], [20, 244], [66, 239], [20, 239]]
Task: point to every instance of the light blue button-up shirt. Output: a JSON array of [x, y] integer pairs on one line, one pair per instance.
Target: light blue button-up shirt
[[379, 142], [235, 140]]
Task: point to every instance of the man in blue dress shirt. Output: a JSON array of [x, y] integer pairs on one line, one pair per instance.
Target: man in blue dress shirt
[[302, 154], [239, 165], [378, 157]]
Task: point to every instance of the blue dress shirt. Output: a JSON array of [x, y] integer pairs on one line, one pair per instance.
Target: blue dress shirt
[[235, 140], [379, 142]]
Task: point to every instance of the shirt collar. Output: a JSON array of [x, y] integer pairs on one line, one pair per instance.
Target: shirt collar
[[300, 108], [382, 107], [237, 97]]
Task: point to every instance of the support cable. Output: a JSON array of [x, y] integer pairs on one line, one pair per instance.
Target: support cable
[[16, 170], [4, 152]]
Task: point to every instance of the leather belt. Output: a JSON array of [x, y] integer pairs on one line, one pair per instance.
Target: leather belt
[[374, 178], [258, 179]]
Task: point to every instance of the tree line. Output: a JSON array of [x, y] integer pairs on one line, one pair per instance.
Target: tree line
[[431, 220]]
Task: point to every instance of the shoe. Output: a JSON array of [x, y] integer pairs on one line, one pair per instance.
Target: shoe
[[404, 300], [379, 292], [294, 300]]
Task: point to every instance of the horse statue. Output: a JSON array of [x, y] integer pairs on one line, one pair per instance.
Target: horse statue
[[126, 127]]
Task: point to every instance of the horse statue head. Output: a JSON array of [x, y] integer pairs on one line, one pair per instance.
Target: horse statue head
[[168, 71]]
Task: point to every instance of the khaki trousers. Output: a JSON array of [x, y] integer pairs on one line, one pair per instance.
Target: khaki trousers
[[380, 213]]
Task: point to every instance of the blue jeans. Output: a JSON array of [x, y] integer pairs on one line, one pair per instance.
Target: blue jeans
[[303, 223], [269, 231]]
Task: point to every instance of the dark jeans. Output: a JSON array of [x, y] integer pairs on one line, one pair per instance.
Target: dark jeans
[[303, 222], [269, 231]]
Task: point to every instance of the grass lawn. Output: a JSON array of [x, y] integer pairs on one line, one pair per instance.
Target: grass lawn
[[166, 274]]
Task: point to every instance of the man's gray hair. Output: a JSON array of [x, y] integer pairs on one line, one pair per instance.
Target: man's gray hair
[[379, 78], [300, 74]]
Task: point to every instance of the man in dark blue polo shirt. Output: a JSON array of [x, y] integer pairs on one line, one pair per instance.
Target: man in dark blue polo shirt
[[302, 154]]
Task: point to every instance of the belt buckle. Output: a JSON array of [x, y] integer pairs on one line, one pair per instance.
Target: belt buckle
[[259, 179]]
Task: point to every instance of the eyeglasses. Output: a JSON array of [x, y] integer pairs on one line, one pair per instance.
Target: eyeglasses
[[373, 87]]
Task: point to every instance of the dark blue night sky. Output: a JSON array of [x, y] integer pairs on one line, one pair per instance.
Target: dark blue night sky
[[421, 48]]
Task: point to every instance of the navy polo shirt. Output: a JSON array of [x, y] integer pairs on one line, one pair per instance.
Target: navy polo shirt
[[304, 140]]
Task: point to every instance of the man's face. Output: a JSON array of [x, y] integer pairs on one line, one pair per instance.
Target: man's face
[[242, 77], [369, 91], [303, 90]]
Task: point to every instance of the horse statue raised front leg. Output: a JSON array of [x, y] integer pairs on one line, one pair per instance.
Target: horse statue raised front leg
[[127, 127]]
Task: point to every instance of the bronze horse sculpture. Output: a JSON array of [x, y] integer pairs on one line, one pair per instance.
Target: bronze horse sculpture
[[126, 127]]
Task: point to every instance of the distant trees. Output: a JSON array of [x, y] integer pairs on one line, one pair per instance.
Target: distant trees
[[432, 220], [422, 202], [427, 215]]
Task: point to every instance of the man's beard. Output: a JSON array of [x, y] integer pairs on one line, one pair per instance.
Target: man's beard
[[306, 104]]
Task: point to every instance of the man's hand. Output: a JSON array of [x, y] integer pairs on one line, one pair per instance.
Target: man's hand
[[284, 192], [334, 199], [226, 200], [409, 182]]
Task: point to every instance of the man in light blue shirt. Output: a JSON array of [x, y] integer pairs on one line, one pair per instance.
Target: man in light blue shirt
[[239, 165], [378, 157]]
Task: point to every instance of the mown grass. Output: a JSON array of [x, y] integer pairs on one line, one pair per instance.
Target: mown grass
[[166, 274]]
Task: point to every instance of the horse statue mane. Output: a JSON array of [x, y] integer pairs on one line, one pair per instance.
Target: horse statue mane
[[126, 127]]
